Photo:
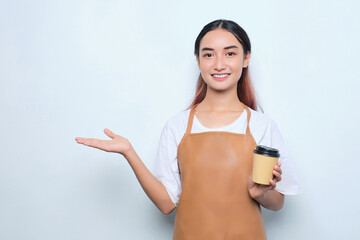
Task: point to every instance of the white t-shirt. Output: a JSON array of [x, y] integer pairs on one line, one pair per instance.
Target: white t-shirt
[[263, 128]]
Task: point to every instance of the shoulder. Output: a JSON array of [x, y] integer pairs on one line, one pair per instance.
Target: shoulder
[[260, 119], [176, 124], [263, 127], [178, 120]]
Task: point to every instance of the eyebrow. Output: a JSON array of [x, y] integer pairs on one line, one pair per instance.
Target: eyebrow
[[211, 49]]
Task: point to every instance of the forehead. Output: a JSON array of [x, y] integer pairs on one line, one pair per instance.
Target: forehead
[[219, 38]]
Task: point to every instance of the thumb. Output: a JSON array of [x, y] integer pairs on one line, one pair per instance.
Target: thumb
[[251, 183], [109, 133]]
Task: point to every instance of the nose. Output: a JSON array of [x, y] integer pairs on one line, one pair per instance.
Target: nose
[[219, 63]]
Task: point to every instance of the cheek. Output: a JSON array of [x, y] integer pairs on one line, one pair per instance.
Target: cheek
[[237, 65], [204, 65], [237, 69]]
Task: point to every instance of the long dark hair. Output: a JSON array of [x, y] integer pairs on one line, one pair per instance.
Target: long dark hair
[[245, 89]]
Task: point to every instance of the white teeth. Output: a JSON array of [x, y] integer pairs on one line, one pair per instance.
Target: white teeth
[[221, 76]]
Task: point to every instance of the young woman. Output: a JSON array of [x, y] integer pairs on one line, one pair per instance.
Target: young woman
[[204, 159]]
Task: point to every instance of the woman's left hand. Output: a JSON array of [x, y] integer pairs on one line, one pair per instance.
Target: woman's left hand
[[256, 190]]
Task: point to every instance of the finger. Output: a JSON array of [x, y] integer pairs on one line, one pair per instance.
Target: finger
[[79, 140], [278, 169], [272, 184], [277, 176], [93, 142], [277, 179], [89, 141], [250, 182], [109, 133]]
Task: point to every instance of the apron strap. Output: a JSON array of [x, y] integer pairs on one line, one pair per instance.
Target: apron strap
[[191, 118], [248, 113]]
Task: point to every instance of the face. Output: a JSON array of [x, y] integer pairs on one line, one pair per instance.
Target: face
[[221, 59]]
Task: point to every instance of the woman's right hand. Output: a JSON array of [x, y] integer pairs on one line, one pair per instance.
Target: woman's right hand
[[151, 185], [118, 144]]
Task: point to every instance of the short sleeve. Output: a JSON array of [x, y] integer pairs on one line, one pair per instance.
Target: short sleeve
[[166, 167], [289, 184]]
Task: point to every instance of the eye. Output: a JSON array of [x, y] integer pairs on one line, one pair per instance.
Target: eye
[[207, 55], [231, 53]]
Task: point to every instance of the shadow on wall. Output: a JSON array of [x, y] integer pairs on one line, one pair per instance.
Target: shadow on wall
[[167, 220], [273, 219], [288, 214]]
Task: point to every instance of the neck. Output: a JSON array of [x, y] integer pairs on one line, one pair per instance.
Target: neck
[[220, 101]]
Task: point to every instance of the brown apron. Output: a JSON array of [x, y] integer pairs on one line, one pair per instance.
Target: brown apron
[[215, 203]]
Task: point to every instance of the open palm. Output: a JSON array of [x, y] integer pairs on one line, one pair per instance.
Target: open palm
[[117, 143]]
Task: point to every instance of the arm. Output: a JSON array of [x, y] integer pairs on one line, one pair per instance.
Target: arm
[[154, 189], [272, 200]]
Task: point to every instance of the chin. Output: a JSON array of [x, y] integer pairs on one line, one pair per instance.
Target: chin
[[222, 87]]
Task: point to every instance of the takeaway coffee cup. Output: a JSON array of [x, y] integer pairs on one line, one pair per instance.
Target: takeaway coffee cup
[[265, 159]]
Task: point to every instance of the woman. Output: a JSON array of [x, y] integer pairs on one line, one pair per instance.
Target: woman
[[205, 153]]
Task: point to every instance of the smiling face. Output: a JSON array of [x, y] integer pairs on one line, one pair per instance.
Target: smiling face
[[221, 59]]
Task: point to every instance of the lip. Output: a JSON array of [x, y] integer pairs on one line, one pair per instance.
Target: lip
[[220, 79]]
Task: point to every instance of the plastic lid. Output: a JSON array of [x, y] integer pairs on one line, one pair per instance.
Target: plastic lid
[[267, 151]]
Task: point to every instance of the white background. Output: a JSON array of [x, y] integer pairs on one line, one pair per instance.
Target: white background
[[72, 68]]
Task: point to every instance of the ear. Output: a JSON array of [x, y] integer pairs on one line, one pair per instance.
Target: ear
[[198, 61], [246, 60]]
